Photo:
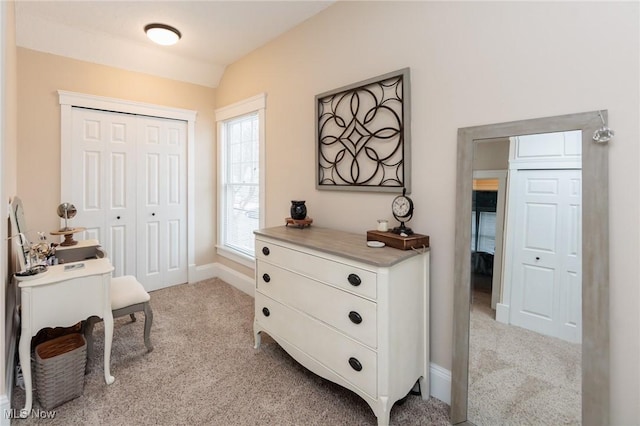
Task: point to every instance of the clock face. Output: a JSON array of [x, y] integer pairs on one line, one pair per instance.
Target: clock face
[[402, 207]]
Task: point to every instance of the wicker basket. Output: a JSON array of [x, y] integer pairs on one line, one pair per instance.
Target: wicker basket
[[60, 365]]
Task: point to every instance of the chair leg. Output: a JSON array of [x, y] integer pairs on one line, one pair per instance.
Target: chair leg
[[148, 320], [88, 335]]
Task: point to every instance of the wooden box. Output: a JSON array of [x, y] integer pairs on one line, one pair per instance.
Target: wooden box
[[396, 241]]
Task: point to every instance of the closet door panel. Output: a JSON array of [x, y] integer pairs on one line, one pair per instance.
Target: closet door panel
[[129, 178], [92, 182], [119, 253], [151, 256], [102, 166], [173, 247], [162, 204], [175, 198]]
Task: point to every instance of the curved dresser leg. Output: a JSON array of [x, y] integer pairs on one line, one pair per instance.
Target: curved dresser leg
[[384, 411], [257, 335], [424, 388]]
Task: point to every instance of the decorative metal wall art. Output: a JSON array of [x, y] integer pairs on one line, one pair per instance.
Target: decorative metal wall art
[[363, 135]]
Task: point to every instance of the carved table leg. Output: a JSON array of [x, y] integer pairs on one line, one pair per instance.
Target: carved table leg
[[108, 337], [24, 351]]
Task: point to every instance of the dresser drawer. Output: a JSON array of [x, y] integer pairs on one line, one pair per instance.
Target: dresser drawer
[[351, 360], [357, 280], [351, 314]]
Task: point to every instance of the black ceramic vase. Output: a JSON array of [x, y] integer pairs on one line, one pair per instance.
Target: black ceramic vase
[[298, 210]]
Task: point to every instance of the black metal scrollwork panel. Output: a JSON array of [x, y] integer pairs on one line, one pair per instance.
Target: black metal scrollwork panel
[[363, 135]]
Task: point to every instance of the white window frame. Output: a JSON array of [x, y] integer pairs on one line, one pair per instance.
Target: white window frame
[[256, 104]]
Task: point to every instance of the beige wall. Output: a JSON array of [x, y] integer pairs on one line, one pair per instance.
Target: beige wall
[[8, 144], [41, 75], [471, 63], [491, 155]]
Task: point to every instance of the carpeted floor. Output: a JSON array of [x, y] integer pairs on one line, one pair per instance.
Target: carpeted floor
[[204, 371], [519, 377]]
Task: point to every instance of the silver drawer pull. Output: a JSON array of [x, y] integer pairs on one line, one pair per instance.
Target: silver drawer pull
[[354, 280], [355, 317], [355, 364], [266, 278]]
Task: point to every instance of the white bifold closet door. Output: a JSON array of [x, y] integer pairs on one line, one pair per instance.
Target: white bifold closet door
[[161, 202], [129, 187], [547, 276]]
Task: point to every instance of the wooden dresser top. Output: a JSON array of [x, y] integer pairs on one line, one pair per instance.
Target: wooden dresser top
[[339, 243]]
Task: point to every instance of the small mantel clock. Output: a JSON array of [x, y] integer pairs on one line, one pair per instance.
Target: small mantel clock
[[402, 209]]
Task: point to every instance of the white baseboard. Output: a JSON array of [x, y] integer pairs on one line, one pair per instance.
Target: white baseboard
[[203, 272], [440, 383], [440, 378], [5, 400], [230, 276], [236, 279], [502, 313], [10, 370], [5, 406]]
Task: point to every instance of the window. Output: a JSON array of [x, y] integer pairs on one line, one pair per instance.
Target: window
[[487, 235], [241, 182], [483, 221]]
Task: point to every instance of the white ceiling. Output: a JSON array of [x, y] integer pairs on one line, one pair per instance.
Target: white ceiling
[[110, 32]]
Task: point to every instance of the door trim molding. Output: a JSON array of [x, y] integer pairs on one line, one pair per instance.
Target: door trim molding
[[68, 100], [497, 284]]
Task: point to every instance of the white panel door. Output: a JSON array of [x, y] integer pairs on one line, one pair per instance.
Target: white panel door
[[162, 202], [546, 287], [102, 168]]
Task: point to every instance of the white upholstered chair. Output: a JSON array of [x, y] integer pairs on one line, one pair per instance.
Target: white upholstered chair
[[128, 296]]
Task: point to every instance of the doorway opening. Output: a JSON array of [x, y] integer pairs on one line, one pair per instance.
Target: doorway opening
[[483, 239]]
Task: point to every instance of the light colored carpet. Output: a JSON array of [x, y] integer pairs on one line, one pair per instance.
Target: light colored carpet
[[519, 377], [204, 371]]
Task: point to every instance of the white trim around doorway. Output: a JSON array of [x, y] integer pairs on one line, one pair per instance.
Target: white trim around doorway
[[497, 281], [69, 100]]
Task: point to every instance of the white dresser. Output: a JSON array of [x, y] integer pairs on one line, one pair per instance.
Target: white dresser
[[355, 315]]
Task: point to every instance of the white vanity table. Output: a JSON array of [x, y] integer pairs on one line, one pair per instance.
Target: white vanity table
[[60, 298], [355, 315]]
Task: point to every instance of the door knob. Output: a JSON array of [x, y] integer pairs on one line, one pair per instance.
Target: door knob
[[153, 214], [118, 217]]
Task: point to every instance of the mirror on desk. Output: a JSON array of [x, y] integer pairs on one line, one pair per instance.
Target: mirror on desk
[[594, 287], [19, 231]]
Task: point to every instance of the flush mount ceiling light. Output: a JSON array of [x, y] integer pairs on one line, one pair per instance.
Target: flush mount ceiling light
[[162, 34]]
